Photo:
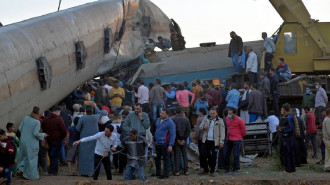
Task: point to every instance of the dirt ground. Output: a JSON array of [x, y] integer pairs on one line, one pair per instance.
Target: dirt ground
[[267, 171]]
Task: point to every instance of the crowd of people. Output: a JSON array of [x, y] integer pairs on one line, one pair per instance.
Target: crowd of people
[[107, 122]]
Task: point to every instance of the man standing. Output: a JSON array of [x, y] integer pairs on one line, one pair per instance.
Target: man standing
[[274, 91], [236, 130], [283, 71], [308, 101], [7, 156], [182, 126], [117, 94], [143, 96], [252, 65], [182, 97], [197, 89], [326, 140], [199, 136], [156, 99], [213, 140], [311, 131], [264, 88], [105, 141], [287, 128], [54, 126], [101, 94], [216, 95], [232, 98], [138, 120], [270, 49], [235, 49], [256, 103], [164, 139], [29, 145], [136, 156], [245, 102], [321, 100]]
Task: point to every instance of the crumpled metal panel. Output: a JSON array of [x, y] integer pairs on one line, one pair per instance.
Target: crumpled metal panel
[[54, 36]]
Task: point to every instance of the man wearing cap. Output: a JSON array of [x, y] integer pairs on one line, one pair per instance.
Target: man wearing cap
[[117, 94], [164, 138], [136, 154], [29, 145]]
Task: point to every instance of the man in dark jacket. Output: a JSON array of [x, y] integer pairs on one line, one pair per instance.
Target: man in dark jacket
[[7, 156], [156, 99], [53, 125], [182, 126], [256, 102], [216, 95], [275, 91], [235, 49], [264, 88]]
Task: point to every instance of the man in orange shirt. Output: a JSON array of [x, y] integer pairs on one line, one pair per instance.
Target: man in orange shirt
[[117, 94]]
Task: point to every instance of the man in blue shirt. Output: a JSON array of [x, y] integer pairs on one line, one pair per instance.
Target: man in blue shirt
[[270, 49], [164, 138], [233, 97], [163, 44]]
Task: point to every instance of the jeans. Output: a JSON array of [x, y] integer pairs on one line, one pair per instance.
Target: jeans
[[312, 137], [161, 151], [145, 108], [63, 153], [156, 109], [202, 158], [234, 58], [180, 149], [7, 174], [284, 77], [253, 77], [254, 117], [98, 159], [221, 158], [234, 146], [288, 157], [54, 153], [130, 171], [210, 152]]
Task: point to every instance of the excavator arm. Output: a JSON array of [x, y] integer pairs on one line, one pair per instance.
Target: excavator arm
[[295, 11]]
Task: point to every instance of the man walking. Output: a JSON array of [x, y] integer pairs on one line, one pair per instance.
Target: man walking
[[321, 100], [156, 99], [235, 49], [236, 130], [213, 140], [183, 129], [164, 139], [53, 125], [252, 65]]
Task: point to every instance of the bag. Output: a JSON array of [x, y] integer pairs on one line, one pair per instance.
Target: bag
[[243, 104]]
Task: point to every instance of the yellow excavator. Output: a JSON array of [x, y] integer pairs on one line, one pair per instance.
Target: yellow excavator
[[303, 42]]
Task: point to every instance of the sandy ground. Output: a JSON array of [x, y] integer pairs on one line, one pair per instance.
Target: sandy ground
[[266, 172]]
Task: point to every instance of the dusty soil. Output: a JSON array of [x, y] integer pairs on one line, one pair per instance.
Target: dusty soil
[[266, 172]]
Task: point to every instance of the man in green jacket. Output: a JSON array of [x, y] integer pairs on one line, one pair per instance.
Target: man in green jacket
[[138, 120], [308, 100]]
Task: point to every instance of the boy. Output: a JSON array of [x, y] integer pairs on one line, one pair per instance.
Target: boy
[[10, 132], [7, 156], [72, 154]]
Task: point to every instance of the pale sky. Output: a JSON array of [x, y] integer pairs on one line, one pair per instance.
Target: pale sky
[[200, 20]]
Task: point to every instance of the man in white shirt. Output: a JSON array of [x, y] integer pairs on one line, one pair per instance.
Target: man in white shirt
[[273, 122], [143, 96], [105, 141], [252, 65], [270, 49]]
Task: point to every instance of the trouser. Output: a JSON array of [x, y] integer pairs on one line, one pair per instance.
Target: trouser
[[288, 153], [62, 154], [145, 108], [253, 77], [42, 158], [312, 137], [54, 153], [300, 152], [119, 161], [275, 103], [284, 77], [186, 111], [268, 61], [234, 146], [129, 173], [180, 149], [318, 115], [234, 58], [221, 158], [156, 109], [265, 107], [254, 117], [244, 114], [210, 152], [7, 174], [161, 151], [202, 158], [327, 154], [323, 150], [98, 159]]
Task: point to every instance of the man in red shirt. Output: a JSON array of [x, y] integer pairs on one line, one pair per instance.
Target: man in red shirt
[[236, 130], [311, 131]]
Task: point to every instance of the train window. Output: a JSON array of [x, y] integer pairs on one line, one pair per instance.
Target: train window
[[290, 41]]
